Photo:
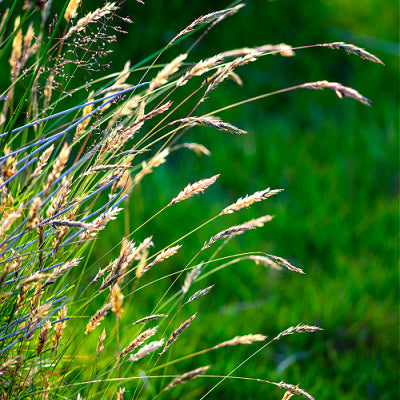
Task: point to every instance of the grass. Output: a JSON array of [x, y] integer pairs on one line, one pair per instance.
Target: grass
[[338, 238]]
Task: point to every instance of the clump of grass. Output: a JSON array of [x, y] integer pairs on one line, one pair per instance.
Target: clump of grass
[[65, 174]]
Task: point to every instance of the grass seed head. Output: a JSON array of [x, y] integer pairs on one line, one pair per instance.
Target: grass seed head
[[167, 253], [175, 334], [100, 343], [193, 189], [187, 377], [296, 329], [145, 350], [97, 318], [138, 341], [340, 90], [72, 7], [163, 75], [249, 200], [350, 48], [43, 336], [294, 389], [246, 339]]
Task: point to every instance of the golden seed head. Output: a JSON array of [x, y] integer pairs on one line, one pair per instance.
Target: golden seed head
[[16, 47], [117, 299], [72, 7]]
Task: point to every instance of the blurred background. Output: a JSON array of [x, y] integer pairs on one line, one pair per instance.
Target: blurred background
[[337, 218]]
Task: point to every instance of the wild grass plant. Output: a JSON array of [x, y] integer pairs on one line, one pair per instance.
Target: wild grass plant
[[72, 329]]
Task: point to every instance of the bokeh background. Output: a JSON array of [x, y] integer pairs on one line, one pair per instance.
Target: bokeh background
[[337, 218]]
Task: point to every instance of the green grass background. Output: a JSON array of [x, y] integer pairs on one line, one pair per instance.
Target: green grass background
[[338, 217]]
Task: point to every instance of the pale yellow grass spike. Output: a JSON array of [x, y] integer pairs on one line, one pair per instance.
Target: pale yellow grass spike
[[149, 318], [28, 48], [147, 167], [97, 318], [90, 18], [200, 68], [100, 223], [43, 161], [58, 200], [340, 90], [71, 224], [119, 83], [105, 167], [43, 336], [123, 75], [246, 339], [145, 350], [199, 149], [117, 299], [283, 49], [198, 294], [206, 19], [288, 394], [213, 122], [120, 393], [119, 265], [34, 212], [265, 261], [284, 263], [58, 166], [167, 253], [293, 389], [249, 200], [86, 111], [187, 377], [238, 229], [193, 189], [142, 264], [59, 326], [191, 277], [224, 71], [16, 48], [9, 363], [296, 329], [163, 75], [175, 334], [259, 222], [100, 343], [7, 221], [138, 341], [143, 247], [34, 278], [48, 89], [351, 48], [71, 10]]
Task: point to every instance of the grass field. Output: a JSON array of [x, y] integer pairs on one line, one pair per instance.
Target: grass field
[[337, 218]]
